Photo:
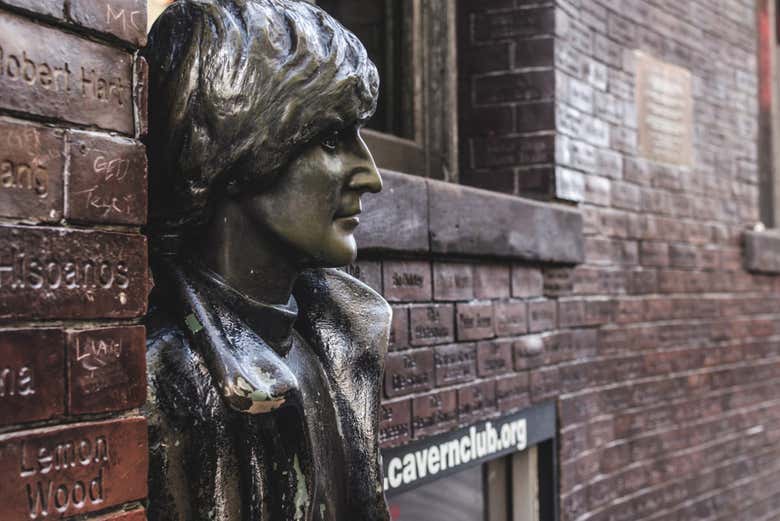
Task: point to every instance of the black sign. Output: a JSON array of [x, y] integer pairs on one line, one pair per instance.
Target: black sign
[[426, 460]]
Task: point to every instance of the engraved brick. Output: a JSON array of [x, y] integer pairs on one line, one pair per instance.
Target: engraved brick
[[433, 324], [528, 351], [452, 281], [59, 273], [406, 280], [394, 422], [141, 96], [511, 317], [107, 179], [75, 80], [32, 163], [491, 281], [32, 377], [125, 19], [475, 320], [456, 363], [72, 470], [512, 392], [399, 329], [476, 402], [434, 413], [106, 369], [541, 315], [527, 282], [407, 373], [558, 281], [491, 152], [367, 272], [494, 357], [525, 22], [516, 86]]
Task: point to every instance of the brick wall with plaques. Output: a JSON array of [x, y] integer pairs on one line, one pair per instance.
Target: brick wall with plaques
[[73, 263], [659, 348]]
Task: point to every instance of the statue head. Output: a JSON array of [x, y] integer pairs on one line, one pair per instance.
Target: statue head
[[259, 103]]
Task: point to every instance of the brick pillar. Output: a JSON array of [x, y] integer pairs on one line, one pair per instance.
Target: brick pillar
[[73, 263], [506, 96]]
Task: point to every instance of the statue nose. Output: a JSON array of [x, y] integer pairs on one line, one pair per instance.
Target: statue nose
[[367, 179]]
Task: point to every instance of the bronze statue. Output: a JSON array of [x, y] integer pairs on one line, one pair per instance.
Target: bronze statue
[[264, 364]]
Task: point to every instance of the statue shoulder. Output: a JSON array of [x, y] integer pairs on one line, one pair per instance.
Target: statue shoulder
[[332, 299]]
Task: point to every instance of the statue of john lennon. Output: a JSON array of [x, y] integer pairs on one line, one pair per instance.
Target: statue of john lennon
[[264, 364]]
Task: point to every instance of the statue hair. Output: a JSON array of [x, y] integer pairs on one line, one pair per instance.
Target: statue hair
[[237, 88]]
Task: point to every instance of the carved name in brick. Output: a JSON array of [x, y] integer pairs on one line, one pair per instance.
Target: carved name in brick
[[432, 324], [475, 321], [58, 273], [434, 413], [407, 280], [407, 373], [66, 471], [75, 80], [107, 181], [494, 357], [32, 375], [107, 369], [31, 166], [454, 363], [125, 19], [394, 423]]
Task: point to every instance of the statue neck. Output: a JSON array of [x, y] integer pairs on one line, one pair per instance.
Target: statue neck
[[247, 259]]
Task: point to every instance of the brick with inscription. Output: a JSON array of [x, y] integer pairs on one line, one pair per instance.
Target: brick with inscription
[[456, 363], [141, 96], [494, 357], [76, 80], [527, 281], [492, 281], [106, 179], [512, 392], [59, 472], [106, 369], [125, 19], [431, 324], [64, 273], [541, 315], [394, 422], [399, 329], [516, 86], [453, 281], [32, 162], [367, 272], [434, 413], [32, 377], [511, 317], [475, 320], [476, 402], [558, 281], [406, 280], [525, 22], [407, 373], [528, 351]]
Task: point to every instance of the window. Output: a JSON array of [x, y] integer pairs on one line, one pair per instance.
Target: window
[[505, 489], [412, 43]]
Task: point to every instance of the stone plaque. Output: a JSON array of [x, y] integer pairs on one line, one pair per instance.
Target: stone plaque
[[31, 167], [664, 103], [107, 182], [434, 413], [75, 80], [32, 376], [125, 19], [407, 373], [106, 369], [60, 472], [51, 273]]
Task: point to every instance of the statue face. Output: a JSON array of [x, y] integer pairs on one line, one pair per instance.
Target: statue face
[[313, 208]]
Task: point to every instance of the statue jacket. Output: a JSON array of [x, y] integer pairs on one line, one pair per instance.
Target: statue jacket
[[313, 454]]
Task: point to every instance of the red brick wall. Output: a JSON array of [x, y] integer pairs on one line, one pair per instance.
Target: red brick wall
[[660, 349], [73, 263]]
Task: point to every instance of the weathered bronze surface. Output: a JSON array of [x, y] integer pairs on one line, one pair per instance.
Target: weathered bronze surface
[[264, 364]]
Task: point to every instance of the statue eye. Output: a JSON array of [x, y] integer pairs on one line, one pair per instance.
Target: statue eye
[[330, 141]]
